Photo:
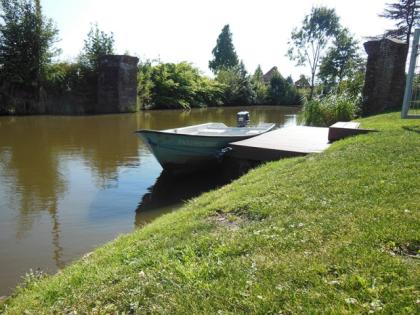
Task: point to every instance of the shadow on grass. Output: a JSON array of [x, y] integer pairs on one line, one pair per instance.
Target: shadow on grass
[[415, 129]]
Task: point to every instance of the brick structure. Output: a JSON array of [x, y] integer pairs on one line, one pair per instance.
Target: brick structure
[[117, 84], [385, 75]]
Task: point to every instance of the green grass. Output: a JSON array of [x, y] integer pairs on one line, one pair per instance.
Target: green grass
[[337, 232]]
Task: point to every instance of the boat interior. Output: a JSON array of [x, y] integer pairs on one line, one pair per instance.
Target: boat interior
[[220, 129]]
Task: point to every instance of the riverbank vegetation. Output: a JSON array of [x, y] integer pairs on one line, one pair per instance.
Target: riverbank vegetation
[[335, 232], [168, 85], [32, 82], [328, 110], [33, 79]]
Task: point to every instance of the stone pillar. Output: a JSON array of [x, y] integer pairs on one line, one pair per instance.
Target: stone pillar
[[385, 75], [117, 84]]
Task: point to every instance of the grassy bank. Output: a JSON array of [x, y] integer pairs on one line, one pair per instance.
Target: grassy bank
[[336, 232]]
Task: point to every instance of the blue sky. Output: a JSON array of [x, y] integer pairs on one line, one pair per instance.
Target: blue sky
[[187, 30]]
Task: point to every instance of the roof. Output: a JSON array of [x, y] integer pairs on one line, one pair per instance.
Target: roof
[[267, 77]]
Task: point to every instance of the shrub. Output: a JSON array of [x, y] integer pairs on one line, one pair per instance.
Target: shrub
[[330, 109], [170, 85]]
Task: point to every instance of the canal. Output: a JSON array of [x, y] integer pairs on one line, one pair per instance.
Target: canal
[[70, 184]]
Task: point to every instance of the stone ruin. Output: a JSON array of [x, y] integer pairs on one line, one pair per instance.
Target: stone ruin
[[117, 84], [385, 75]]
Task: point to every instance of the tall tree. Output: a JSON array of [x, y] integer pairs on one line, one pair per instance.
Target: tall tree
[[406, 14], [224, 52], [282, 92], [237, 85], [341, 59], [308, 43], [26, 44], [259, 87], [97, 44]]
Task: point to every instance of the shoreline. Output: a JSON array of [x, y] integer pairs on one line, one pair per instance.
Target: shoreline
[[150, 110], [271, 241]]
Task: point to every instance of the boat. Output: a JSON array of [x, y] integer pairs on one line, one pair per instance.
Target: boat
[[196, 146]]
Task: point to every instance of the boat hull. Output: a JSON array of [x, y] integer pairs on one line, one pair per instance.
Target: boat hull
[[175, 151]]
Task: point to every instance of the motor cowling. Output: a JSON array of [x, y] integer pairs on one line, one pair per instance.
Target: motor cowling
[[242, 119]]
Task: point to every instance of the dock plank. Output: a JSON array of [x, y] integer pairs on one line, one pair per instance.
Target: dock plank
[[284, 142]]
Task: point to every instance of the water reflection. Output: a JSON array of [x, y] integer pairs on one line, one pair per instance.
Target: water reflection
[[69, 184], [170, 190]]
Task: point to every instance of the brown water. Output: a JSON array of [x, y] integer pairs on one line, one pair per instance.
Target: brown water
[[70, 184]]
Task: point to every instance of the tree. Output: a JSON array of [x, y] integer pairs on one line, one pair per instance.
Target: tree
[[237, 85], [97, 44], [310, 41], [145, 84], [282, 92], [406, 13], [341, 60], [169, 85], [26, 44], [224, 52], [259, 87]]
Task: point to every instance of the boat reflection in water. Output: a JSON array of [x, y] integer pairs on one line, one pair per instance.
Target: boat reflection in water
[[170, 191]]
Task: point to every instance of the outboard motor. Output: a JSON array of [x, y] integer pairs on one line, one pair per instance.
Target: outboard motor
[[242, 119]]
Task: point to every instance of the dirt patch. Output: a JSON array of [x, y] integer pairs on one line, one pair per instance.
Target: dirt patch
[[229, 220], [409, 249]]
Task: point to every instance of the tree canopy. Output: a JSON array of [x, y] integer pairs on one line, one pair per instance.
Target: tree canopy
[[224, 52], [259, 87], [97, 44], [281, 92], [237, 85], [308, 43], [26, 42], [406, 14], [341, 59], [170, 85]]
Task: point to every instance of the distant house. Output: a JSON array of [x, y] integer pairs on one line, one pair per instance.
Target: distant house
[[267, 77], [302, 83]]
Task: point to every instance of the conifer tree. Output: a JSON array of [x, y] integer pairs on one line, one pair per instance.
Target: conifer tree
[[406, 14], [224, 52]]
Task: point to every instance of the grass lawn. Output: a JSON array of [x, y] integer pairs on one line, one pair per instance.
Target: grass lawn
[[337, 232]]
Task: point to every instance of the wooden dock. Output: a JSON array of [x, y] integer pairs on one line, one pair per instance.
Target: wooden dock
[[280, 143]]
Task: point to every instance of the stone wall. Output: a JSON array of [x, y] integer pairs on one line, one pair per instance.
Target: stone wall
[[385, 75], [117, 84]]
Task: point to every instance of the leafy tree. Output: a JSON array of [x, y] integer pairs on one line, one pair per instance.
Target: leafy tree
[[310, 41], [97, 44], [224, 52], [282, 92], [237, 85], [289, 79], [169, 85], [26, 44], [341, 60], [353, 85], [145, 84], [259, 87], [406, 13]]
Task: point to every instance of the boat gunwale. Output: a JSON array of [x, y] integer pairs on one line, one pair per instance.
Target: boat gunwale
[[272, 126]]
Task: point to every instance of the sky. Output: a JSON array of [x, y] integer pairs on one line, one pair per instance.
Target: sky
[[187, 30]]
